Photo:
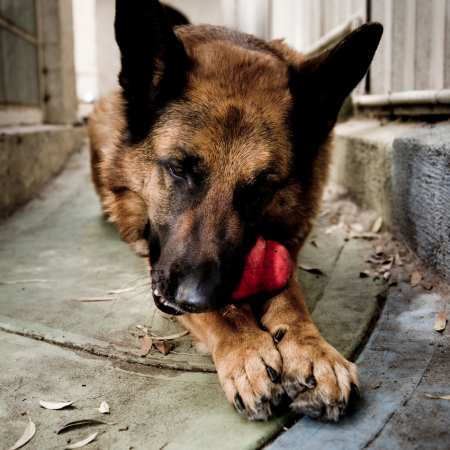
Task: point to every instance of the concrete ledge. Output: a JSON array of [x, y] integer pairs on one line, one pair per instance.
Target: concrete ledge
[[400, 170], [421, 194], [363, 160], [29, 157]]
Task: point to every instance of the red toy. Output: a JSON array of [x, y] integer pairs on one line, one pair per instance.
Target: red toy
[[268, 267]]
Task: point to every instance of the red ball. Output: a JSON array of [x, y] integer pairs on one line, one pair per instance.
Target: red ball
[[267, 269]]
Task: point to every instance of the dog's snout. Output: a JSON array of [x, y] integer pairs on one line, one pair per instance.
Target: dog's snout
[[191, 290], [198, 291]]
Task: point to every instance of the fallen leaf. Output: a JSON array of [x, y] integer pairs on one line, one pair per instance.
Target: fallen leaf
[[376, 227], [83, 442], [22, 281], [438, 397], [104, 407], [94, 299], [333, 228], [416, 278], [441, 321], [385, 268], [387, 275], [54, 405], [373, 261], [357, 227], [146, 345], [142, 328], [170, 337], [79, 423], [163, 347], [364, 274], [367, 236], [313, 270], [26, 437], [398, 260]]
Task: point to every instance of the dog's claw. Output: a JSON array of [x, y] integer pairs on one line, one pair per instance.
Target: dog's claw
[[273, 374], [310, 382], [279, 334], [239, 404]]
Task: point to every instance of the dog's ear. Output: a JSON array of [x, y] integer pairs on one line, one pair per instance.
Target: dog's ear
[[321, 83], [154, 62]]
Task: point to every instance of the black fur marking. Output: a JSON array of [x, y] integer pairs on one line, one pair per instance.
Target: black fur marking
[[154, 63], [249, 199], [319, 86], [175, 17]]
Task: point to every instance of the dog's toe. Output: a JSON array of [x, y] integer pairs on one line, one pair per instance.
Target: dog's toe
[[316, 377], [250, 374]]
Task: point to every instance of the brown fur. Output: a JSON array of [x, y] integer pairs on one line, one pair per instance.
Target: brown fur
[[233, 115]]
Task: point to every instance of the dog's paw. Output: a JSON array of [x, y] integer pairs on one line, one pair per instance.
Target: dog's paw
[[249, 368], [315, 376]]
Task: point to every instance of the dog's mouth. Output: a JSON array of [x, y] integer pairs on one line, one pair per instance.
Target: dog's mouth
[[165, 305]]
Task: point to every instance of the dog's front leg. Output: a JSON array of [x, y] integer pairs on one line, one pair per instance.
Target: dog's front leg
[[317, 378], [247, 362]]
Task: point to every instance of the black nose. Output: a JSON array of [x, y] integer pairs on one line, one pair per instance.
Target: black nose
[[199, 290]]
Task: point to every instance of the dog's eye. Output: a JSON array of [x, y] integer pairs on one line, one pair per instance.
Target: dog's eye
[[176, 172]]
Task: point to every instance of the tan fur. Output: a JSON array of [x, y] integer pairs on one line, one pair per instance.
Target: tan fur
[[131, 190]]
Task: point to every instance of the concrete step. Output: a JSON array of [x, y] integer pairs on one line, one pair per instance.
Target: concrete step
[[29, 157], [402, 171]]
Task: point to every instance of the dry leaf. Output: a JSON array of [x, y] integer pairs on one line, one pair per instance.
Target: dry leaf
[[398, 260], [416, 278], [313, 270], [54, 405], [441, 321], [333, 228], [103, 408], [376, 227], [170, 337], [357, 227], [146, 345], [26, 437], [163, 347], [438, 397], [387, 275], [142, 328], [367, 235], [83, 442], [94, 299], [79, 423]]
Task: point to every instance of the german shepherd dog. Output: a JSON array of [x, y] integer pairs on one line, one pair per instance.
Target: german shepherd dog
[[215, 139]]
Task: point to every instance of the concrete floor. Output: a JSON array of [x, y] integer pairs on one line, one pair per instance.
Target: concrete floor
[[57, 252]]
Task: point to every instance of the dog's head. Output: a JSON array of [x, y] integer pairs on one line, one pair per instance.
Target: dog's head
[[228, 136]]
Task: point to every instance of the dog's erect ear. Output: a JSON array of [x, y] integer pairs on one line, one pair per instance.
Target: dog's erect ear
[[321, 83], [154, 62]]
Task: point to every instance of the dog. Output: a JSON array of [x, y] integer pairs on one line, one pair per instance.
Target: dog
[[217, 138]]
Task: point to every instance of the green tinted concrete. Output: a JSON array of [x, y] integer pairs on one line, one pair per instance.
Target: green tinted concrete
[[57, 251], [175, 409]]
